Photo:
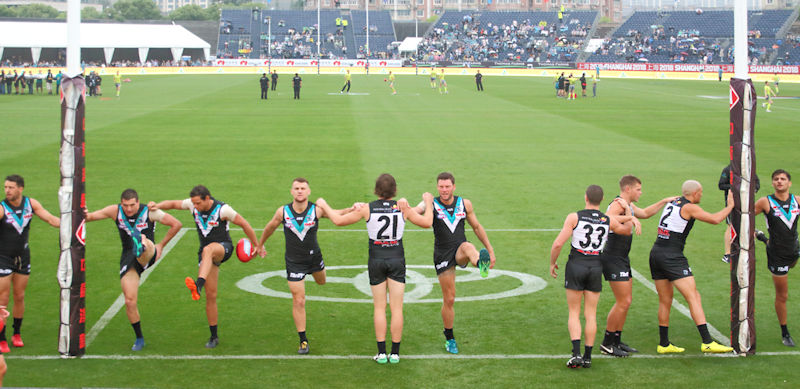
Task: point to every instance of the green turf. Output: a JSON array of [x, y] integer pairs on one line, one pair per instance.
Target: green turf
[[522, 156]]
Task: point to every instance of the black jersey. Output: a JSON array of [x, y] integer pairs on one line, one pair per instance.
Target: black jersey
[[300, 230], [210, 226], [782, 224], [385, 229], [15, 227], [448, 223], [138, 224], [619, 245], [590, 235], [672, 227]]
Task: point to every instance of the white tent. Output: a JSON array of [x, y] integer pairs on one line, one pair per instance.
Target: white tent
[[106, 36]]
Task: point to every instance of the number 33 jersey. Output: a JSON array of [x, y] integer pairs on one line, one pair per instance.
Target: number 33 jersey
[[385, 229], [590, 235]]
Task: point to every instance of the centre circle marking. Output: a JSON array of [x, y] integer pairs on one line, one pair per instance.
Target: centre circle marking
[[423, 285]]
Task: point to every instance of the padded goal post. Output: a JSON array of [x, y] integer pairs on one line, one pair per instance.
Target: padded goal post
[[742, 218], [72, 238]]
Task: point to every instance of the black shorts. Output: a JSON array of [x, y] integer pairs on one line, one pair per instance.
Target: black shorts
[[583, 274], [128, 260], [616, 268], [382, 268], [297, 267], [780, 263], [228, 246], [19, 265], [668, 264], [445, 258]]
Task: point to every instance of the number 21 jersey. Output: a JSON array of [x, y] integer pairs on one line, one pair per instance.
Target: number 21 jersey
[[385, 229]]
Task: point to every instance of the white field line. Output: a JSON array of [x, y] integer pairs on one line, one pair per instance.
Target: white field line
[[120, 301], [369, 357], [681, 308]]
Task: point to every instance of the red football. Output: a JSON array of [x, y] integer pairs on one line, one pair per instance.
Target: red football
[[244, 250]]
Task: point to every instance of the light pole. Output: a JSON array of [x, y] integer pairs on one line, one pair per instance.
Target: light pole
[[269, 37]]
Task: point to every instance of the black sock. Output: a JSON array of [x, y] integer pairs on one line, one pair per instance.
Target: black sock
[[396, 348], [213, 331], [199, 283], [587, 353], [17, 325], [382, 347], [703, 328], [302, 335], [448, 333], [618, 337], [576, 347], [663, 332], [784, 330], [137, 328], [608, 339]]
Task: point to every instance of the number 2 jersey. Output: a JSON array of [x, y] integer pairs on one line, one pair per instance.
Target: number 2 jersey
[[385, 229], [672, 227], [590, 235]]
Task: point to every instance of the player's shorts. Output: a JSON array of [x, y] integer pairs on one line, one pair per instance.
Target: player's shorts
[[583, 85], [20, 264], [571, 87], [228, 246], [382, 268], [780, 263], [443, 83], [583, 274], [117, 84], [298, 267], [128, 260], [668, 264], [445, 258], [616, 268]]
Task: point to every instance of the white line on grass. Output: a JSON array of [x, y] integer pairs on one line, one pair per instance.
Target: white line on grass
[[681, 308], [368, 357], [120, 301]]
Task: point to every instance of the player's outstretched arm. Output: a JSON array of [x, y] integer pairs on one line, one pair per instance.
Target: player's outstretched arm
[[109, 212], [762, 206], [618, 210], [653, 208], [341, 218], [174, 226], [694, 210], [39, 210], [424, 220], [620, 228], [477, 228], [569, 224], [248, 230], [269, 229], [168, 204]]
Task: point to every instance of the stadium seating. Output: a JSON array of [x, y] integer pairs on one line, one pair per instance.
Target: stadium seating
[[517, 36]]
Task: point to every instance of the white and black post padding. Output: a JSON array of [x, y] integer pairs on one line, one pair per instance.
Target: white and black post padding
[[743, 170], [72, 201]]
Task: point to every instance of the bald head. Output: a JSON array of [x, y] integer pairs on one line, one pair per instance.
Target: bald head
[[690, 187]]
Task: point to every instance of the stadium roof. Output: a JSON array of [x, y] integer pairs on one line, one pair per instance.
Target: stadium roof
[[107, 36]]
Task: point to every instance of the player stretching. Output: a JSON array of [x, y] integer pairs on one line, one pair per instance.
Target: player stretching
[[391, 83], [451, 247], [768, 93], [300, 220], [387, 265], [434, 77], [347, 78], [211, 217], [442, 82], [617, 265], [15, 254], [670, 268], [588, 231], [137, 225], [780, 210]]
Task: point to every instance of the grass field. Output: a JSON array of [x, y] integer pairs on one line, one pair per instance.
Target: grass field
[[522, 156]]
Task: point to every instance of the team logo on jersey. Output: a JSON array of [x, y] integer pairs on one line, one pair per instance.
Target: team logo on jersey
[[451, 220], [206, 223], [300, 229], [140, 222], [787, 216], [19, 222]]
